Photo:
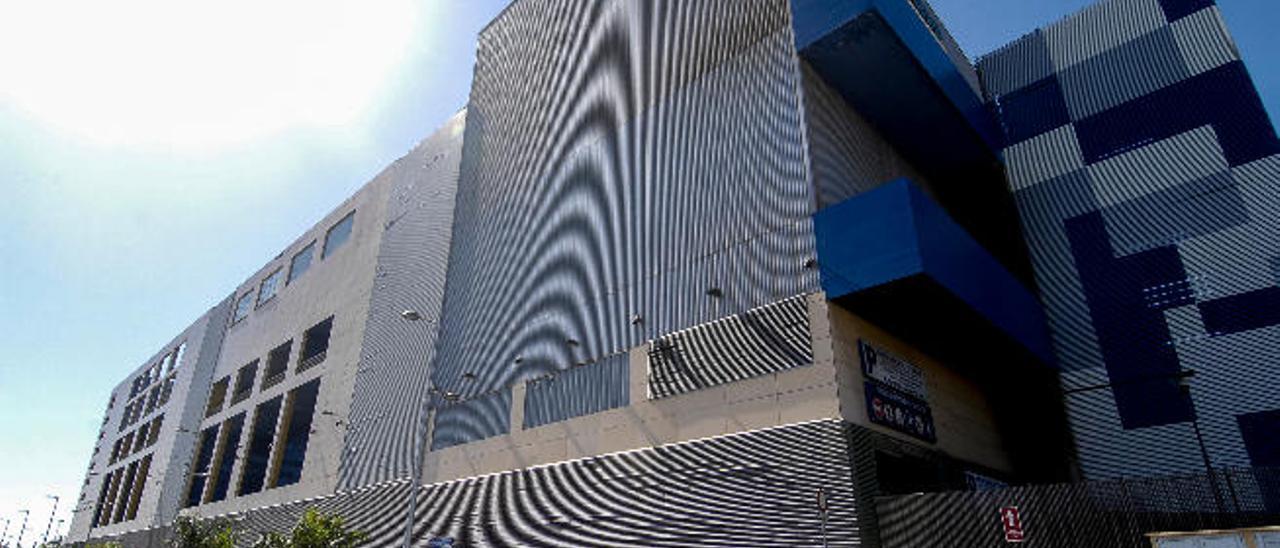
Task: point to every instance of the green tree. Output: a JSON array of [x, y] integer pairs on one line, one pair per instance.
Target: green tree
[[205, 533], [315, 530]]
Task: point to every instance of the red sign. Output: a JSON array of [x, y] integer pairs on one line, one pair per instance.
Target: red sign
[[1011, 519]]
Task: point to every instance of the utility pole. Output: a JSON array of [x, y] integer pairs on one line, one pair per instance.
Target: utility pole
[[25, 514], [52, 513]]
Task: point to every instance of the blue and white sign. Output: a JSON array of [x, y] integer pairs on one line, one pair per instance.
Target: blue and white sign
[[887, 368], [895, 409]]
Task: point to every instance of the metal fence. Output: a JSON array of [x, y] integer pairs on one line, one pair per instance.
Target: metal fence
[[1117, 512]]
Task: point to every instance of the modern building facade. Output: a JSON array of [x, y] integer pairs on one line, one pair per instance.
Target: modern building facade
[[1147, 174], [685, 270]]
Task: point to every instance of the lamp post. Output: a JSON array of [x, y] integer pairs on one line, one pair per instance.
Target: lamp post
[[1182, 376], [419, 439], [25, 514], [52, 513]]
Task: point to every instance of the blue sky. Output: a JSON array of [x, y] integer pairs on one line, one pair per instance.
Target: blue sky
[[149, 164]]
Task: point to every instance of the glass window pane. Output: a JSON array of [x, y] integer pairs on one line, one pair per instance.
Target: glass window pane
[[227, 460], [338, 235], [243, 306], [270, 286], [264, 428], [302, 407], [301, 262]]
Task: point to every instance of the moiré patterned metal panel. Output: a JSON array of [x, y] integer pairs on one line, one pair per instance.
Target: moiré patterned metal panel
[[392, 377], [622, 159], [1151, 217], [472, 419], [584, 390], [765, 340]]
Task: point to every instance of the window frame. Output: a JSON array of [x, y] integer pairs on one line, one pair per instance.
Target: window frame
[[310, 251], [326, 251], [278, 276], [236, 317]]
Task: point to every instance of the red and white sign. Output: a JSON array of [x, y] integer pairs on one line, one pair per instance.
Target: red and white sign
[[1011, 519]]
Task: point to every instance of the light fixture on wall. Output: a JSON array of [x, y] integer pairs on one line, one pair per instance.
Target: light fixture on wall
[[715, 292], [411, 315]]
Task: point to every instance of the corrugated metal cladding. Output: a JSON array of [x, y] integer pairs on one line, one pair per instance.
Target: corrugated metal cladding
[[579, 391], [622, 160], [1151, 205], [847, 155], [393, 371], [751, 489], [471, 419], [765, 340]]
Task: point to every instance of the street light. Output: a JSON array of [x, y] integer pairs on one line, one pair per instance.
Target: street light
[[52, 513], [1184, 386], [419, 437], [25, 514]]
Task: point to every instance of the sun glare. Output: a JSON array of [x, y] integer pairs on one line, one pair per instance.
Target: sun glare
[[160, 72]]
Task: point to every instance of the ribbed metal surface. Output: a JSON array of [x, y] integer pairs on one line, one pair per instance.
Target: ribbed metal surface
[[471, 420], [580, 391], [758, 342], [1015, 65], [621, 159], [396, 355], [847, 155], [1152, 224]]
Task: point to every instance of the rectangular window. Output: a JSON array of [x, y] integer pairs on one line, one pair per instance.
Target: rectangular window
[[301, 261], [244, 382], [115, 452], [243, 306], [108, 504], [226, 460], [296, 431], [126, 489], [153, 399], [270, 286], [264, 428], [216, 396], [167, 390], [126, 444], [101, 502], [277, 365], [140, 438], [154, 430], [315, 344], [200, 470], [177, 356], [139, 483], [338, 235]]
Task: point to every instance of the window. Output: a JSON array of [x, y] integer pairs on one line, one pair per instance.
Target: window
[[153, 399], [338, 235], [177, 356], [277, 365], [295, 431], [216, 396], [126, 445], [102, 499], [200, 473], [244, 382], [167, 390], [242, 308], [155, 430], [315, 344], [140, 439], [270, 286], [126, 487], [259, 456], [115, 451], [301, 261], [226, 459], [139, 483]]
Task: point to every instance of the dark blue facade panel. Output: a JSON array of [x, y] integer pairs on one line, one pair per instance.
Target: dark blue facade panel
[[580, 391], [1187, 211], [1132, 335], [1223, 98], [1033, 110], [1243, 312], [1261, 432], [1177, 9]]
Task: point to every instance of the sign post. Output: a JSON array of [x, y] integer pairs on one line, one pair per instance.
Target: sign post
[[822, 511], [1011, 519]]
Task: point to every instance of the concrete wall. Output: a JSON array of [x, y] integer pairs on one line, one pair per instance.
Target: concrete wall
[[966, 426], [168, 454]]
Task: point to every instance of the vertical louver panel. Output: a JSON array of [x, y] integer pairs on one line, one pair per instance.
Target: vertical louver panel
[[584, 390]]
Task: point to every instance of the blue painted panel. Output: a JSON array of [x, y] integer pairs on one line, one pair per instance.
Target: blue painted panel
[[1177, 9], [1132, 335], [895, 232], [1261, 434], [1243, 312], [1223, 98], [817, 21], [1033, 110], [866, 241]]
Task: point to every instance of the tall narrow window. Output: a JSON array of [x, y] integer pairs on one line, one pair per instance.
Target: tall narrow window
[[126, 445], [295, 432], [338, 235], [244, 382], [315, 344], [140, 439], [200, 470], [177, 356], [216, 396], [301, 261], [243, 306], [277, 365], [108, 505], [264, 428], [226, 460], [167, 390], [139, 483], [126, 490], [270, 286], [153, 399], [155, 430], [102, 502]]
